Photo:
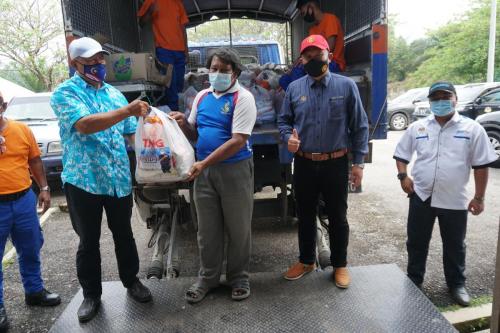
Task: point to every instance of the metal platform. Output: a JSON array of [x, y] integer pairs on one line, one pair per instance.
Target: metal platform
[[380, 299]]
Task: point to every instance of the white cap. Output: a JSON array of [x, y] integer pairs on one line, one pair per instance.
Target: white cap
[[84, 47]]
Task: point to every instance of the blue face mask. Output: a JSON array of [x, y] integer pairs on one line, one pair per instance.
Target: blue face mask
[[95, 72], [442, 108], [220, 81]]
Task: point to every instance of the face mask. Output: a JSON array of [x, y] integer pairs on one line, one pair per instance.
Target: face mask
[[95, 72], [316, 67], [220, 81], [442, 108]]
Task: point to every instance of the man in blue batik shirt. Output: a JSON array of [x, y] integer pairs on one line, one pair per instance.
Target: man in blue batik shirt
[[322, 118], [93, 119]]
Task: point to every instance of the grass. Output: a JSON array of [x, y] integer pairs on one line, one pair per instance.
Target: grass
[[474, 302]]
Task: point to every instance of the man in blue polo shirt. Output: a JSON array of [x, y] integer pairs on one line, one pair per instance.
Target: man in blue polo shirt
[[94, 117], [221, 121], [322, 117]]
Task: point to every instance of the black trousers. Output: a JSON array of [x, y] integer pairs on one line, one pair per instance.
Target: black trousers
[[330, 179], [85, 211], [452, 225]]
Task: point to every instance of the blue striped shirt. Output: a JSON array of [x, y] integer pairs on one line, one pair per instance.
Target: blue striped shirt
[[328, 115]]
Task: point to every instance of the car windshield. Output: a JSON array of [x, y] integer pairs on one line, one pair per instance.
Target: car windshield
[[469, 93], [410, 96], [30, 108]]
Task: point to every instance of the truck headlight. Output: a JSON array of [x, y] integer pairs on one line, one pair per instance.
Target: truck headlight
[[54, 147]]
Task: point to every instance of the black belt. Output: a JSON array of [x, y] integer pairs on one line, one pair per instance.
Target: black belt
[[13, 196]]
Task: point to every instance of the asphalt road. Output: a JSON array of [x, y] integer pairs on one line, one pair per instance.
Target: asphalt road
[[378, 234]]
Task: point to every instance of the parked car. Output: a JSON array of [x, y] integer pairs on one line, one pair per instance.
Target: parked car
[[36, 112], [400, 109], [473, 100], [491, 123]]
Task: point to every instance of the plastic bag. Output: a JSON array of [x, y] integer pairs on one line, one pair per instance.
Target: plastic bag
[[189, 96], [264, 102], [163, 153]]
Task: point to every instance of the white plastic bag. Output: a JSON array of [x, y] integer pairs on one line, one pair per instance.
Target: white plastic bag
[[163, 153]]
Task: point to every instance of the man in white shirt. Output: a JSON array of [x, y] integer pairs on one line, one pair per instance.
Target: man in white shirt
[[447, 146]]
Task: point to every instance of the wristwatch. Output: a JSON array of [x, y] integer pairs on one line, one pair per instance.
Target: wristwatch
[[45, 188], [402, 175], [480, 199], [359, 165]]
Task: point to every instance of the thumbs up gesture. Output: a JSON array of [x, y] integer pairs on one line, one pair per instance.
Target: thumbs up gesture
[[293, 142]]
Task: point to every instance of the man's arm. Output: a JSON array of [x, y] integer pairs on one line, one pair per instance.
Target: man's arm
[[36, 168], [188, 129], [101, 121], [286, 118], [186, 52], [146, 12], [476, 205], [406, 182], [331, 43], [228, 149], [358, 125]]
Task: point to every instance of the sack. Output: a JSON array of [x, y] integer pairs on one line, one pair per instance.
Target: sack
[[163, 153]]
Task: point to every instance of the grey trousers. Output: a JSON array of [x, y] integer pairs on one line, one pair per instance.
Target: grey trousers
[[223, 194]]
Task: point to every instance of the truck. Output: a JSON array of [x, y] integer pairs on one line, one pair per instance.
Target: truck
[[114, 23]]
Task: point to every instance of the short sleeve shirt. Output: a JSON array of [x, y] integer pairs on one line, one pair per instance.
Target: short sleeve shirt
[[444, 158], [96, 163], [21, 147], [330, 26]]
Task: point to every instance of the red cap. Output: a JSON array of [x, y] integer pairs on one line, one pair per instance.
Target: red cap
[[314, 40]]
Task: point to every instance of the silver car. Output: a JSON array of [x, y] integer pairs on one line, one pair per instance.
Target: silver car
[[36, 112]]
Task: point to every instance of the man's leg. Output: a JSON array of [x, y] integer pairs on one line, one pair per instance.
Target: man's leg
[[28, 240], [85, 211], [306, 196], [334, 186], [453, 227], [6, 221], [210, 229], [234, 183], [421, 218], [119, 213]]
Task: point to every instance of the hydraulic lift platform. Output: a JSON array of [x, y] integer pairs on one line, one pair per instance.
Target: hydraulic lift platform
[[380, 299]]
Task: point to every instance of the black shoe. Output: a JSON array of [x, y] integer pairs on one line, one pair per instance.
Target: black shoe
[[43, 298], [88, 309], [4, 321], [139, 292], [460, 296]]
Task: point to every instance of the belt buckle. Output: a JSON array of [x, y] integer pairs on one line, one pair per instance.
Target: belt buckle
[[316, 156]]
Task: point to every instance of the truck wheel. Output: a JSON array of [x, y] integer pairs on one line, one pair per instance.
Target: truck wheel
[[398, 122]]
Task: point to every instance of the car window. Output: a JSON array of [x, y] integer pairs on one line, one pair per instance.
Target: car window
[[491, 97], [35, 108], [407, 97], [469, 93]]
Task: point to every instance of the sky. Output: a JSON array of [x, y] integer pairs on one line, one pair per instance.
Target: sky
[[417, 17]]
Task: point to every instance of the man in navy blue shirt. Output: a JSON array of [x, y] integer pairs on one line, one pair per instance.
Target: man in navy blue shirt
[[322, 119]]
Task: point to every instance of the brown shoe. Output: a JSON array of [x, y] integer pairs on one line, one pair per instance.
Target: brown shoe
[[298, 270], [341, 277]]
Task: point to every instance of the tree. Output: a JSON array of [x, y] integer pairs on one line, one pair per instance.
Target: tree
[[460, 50], [28, 41]]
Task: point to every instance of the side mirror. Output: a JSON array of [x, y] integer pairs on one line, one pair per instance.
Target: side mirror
[[478, 101]]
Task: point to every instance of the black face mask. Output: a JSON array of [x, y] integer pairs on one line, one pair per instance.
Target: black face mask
[[309, 17], [316, 67]]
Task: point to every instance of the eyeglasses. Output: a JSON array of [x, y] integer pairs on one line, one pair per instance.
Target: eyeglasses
[[3, 146]]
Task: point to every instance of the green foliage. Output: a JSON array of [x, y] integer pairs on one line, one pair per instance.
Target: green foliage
[[30, 29], [458, 51]]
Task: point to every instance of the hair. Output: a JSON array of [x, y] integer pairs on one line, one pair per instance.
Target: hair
[[227, 56], [301, 3]]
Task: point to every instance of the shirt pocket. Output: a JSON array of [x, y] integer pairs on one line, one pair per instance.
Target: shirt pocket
[[336, 108]]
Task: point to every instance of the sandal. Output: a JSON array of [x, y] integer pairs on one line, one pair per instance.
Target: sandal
[[241, 290], [196, 293]]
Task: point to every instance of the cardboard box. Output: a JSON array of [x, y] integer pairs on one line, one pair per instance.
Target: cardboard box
[[136, 66]]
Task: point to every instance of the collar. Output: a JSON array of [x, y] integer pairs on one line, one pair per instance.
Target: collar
[[79, 81], [233, 89], [455, 119], [324, 81]]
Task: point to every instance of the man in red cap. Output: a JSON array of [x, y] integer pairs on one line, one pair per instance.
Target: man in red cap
[[321, 117]]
